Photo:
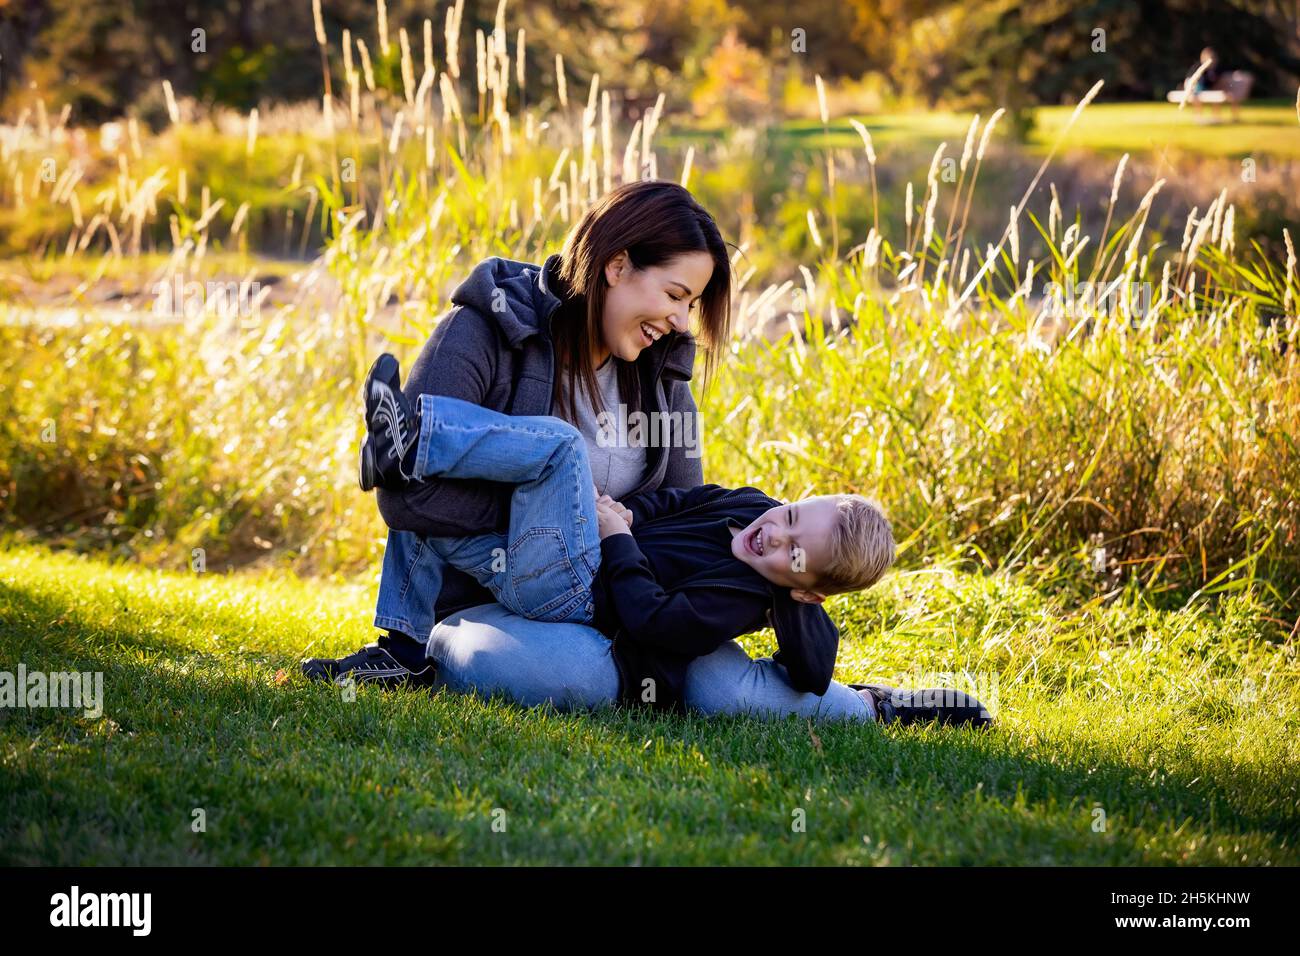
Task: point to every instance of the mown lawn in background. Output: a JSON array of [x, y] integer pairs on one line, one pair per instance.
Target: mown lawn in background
[[1180, 727], [1264, 128]]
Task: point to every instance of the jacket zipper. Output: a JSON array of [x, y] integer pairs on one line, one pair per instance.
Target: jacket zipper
[[654, 385]]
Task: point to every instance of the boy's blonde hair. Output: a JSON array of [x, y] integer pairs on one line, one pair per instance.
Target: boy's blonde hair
[[861, 547]]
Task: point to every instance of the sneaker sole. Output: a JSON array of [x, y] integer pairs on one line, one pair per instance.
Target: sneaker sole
[[389, 676], [366, 466], [384, 369]]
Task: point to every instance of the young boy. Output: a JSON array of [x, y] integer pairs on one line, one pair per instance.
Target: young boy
[[668, 576]]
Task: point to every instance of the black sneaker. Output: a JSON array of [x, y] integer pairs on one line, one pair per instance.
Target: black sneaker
[[372, 664], [943, 704], [392, 429]]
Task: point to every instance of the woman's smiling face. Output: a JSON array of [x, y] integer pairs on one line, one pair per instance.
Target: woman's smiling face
[[642, 305]]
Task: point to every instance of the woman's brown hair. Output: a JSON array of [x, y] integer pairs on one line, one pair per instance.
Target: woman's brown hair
[[654, 221]]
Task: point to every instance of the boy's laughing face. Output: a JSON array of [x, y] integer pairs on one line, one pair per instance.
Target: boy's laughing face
[[789, 544]]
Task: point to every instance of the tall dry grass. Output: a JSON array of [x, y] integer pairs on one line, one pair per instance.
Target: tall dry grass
[[1095, 441]]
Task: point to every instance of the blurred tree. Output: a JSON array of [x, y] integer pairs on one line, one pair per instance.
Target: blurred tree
[[103, 55], [736, 84], [100, 56], [20, 23], [838, 38]]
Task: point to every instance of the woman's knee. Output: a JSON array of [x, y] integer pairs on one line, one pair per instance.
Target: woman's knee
[[488, 649], [464, 647]]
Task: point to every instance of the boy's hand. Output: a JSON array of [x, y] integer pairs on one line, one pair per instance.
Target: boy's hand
[[610, 521], [616, 507]]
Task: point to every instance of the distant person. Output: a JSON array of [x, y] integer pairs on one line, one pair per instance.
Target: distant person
[[1202, 77], [1211, 79], [1209, 76]]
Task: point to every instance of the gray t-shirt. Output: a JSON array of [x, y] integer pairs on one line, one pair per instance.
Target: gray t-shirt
[[616, 468]]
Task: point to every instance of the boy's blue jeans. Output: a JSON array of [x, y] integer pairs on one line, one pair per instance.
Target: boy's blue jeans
[[543, 566]]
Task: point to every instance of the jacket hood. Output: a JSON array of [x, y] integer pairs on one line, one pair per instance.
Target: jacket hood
[[520, 296]]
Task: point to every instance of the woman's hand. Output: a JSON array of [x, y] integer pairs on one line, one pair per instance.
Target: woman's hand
[[609, 521]]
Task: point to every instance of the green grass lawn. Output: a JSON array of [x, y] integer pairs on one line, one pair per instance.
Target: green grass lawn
[[1265, 128], [1180, 726]]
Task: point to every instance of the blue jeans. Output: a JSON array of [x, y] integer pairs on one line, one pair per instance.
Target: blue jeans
[[488, 650], [543, 566]]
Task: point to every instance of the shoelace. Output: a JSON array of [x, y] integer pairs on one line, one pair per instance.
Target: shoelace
[[391, 417]]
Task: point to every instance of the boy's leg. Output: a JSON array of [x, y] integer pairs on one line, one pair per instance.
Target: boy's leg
[[545, 566], [729, 681], [460, 439], [411, 581]]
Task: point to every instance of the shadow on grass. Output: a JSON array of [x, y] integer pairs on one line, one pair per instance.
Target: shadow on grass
[[293, 772]]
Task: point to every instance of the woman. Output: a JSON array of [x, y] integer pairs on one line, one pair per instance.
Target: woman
[[603, 326]]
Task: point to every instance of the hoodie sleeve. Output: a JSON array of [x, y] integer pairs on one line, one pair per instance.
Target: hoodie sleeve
[[459, 360], [688, 621], [653, 504], [808, 643]]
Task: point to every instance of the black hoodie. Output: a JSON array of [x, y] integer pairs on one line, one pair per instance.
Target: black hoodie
[[672, 591]]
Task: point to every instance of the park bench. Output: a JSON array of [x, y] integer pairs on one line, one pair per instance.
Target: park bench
[[1233, 87]]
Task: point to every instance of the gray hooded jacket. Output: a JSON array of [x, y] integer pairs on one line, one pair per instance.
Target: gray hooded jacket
[[494, 348]]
